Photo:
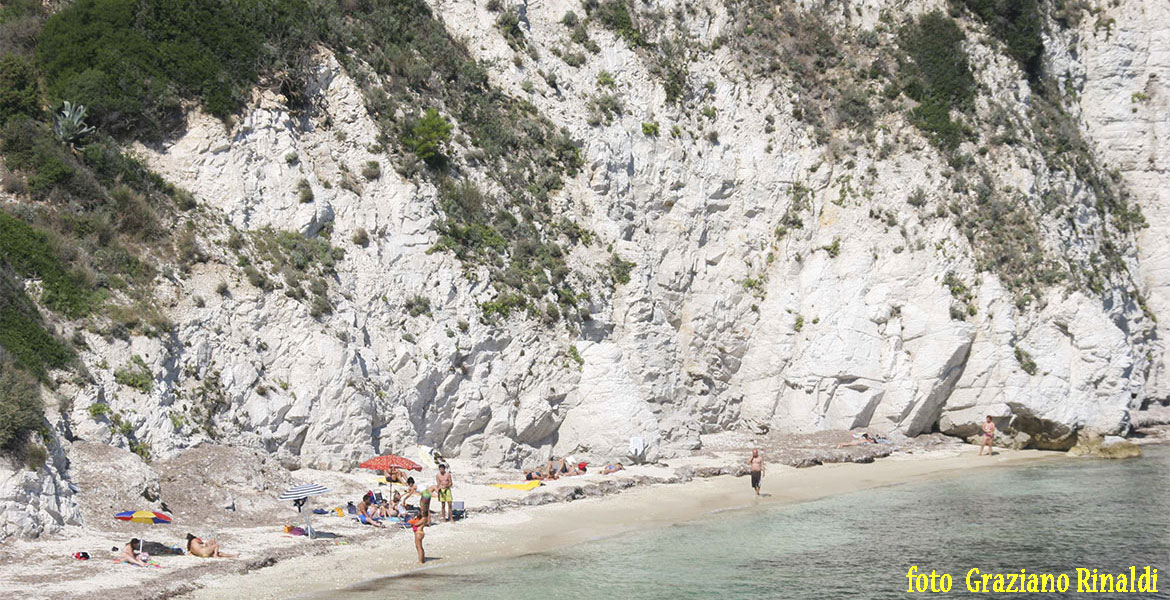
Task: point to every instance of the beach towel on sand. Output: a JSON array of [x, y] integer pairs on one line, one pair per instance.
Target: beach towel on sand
[[524, 487]]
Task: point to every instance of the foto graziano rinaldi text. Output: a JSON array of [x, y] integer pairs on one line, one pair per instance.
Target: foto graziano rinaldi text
[[1087, 581]]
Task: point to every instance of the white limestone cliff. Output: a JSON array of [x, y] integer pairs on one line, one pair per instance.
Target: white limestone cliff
[[844, 323]]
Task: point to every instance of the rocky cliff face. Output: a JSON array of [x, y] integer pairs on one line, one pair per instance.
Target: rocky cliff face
[[783, 275]]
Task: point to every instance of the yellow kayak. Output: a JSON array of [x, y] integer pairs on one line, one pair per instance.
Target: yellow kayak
[[524, 487]]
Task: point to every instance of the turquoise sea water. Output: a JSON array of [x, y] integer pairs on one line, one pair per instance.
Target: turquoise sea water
[[1043, 518]]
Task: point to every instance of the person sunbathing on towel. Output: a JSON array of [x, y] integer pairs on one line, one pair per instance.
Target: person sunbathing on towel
[[553, 469], [863, 440], [130, 554], [612, 468], [533, 476], [200, 548]]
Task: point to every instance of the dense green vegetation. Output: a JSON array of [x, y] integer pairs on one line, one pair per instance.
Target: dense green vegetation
[[20, 406], [132, 62], [937, 76], [1019, 25], [428, 138], [18, 89], [27, 250], [22, 331]]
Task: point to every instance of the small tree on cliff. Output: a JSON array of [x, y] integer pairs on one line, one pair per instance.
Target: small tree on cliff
[[427, 138]]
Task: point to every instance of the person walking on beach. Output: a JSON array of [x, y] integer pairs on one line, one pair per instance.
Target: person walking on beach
[[756, 463], [444, 482], [988, 437]]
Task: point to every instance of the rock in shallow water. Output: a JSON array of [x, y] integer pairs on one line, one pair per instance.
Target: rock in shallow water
[[1110, 446]]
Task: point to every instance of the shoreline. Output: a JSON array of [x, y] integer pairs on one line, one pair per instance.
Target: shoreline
[[501, 523], [511, 533]]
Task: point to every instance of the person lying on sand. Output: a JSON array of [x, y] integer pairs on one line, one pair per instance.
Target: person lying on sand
[[863, 440], [200, 548], [562, 468], [533, 476], [130, 554], [612, 468]]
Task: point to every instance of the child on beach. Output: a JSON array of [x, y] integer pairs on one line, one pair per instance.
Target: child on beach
[[988, 437], [418, 525]]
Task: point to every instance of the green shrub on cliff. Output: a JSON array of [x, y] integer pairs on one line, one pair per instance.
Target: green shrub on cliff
[[1019, 24], [135, 374], [937, 76], [20, 406], [1025, 360], [428, 137], [133, 61], [19, 96], [28, 251]]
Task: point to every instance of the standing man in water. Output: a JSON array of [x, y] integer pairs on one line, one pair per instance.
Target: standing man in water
[[443, 483], [756, 462], [988, 437]]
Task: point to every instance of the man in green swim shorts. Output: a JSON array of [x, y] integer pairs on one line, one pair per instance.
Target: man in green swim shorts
[[444, 482]]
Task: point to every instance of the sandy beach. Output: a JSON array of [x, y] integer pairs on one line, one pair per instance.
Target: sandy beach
[[502, 522], [540, 528]]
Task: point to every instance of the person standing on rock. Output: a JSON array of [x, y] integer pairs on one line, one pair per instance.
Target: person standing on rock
[[756, 464], [988, 437], [444, 482]]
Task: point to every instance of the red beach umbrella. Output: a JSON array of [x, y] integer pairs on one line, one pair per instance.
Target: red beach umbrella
[[386, 461]]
